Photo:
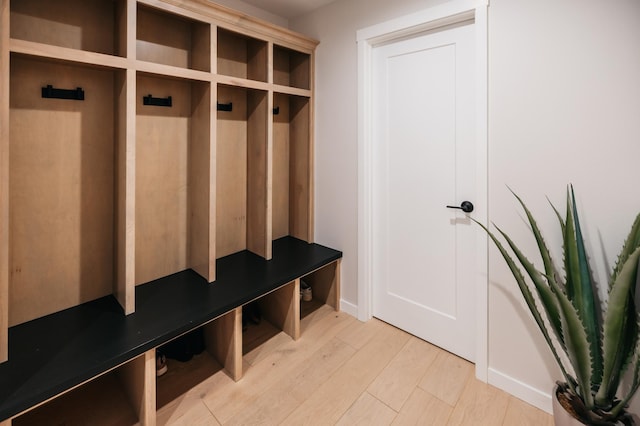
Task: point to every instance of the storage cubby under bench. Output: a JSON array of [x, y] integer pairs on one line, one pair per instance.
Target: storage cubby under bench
[[52, 355]]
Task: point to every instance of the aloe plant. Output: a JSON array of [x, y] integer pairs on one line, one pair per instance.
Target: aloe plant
[[601, 343]]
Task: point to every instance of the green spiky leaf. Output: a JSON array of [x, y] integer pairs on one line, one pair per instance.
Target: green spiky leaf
[[599, 352], [548, 298], [585, 299], [576, 340], [619, 328], [631, 243], [530, 301]]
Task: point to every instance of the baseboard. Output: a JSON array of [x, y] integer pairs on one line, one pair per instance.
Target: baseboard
[[349, 308], [523, 391]]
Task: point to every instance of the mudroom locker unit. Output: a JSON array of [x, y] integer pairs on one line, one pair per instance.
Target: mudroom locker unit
[[156, 175]]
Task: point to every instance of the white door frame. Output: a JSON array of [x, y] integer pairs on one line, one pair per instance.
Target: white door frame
[[368, 38]]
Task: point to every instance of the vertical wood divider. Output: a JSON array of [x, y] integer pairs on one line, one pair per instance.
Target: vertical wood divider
[[312, 196], [223, 339], [269, 172], [148, 415], [4, 180], [138, 378], [213, 125], [125, 252], [126, 170], [200, 180], [335, 302], [269, 159], [282, 308], [213, 169]]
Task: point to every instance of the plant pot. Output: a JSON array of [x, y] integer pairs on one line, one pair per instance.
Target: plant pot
[[562, 415]]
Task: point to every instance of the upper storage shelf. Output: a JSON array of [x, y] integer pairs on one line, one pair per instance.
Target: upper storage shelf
[[291, 68], [168, 39], [241, 56], [87, 25]]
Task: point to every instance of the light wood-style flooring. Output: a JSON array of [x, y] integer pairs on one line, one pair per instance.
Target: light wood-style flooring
[[341, 371]]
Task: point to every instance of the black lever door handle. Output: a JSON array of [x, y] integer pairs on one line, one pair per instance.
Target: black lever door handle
[[465, 206]]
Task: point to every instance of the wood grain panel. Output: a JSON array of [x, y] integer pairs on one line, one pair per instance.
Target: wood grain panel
[[258, 171], [138, 380], [325, 283], [241, 56], [163, 38], [200, 46], [424, 409], [61, 189], [447, 377], [291, 68], [162, 144], [300, 190], [242, 23], [231, 173], [232, 54], [281, 161], [79, 24], [4, 179], [398, 380], [223, 338], [282, 308], [85, 402]]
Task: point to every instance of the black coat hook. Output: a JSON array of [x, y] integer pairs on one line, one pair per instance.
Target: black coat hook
[[53, 93], [276, 110], [150, 100], [225, 107]]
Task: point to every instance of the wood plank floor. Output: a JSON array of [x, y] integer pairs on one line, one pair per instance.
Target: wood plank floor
[[340, 372]]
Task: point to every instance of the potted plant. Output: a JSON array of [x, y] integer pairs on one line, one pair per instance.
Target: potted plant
[[595, 343]]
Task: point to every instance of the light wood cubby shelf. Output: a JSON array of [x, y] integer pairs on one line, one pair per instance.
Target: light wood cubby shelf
[[162, 182]]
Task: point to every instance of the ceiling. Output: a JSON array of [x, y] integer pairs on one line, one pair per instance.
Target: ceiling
[[288, 8]]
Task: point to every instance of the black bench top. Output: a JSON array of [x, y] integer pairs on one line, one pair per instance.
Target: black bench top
[[52, 354]]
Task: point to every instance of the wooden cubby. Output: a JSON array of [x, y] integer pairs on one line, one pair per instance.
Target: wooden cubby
[[241, 56], [292, 167], [291, 68], [222, 351], [242, 167], [61, 183], [173, 187], [169, 39], [88, 25], [279, 311], [129, 389], [125, 222], [325, 285]]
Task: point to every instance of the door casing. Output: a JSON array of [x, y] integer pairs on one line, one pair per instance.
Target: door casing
[[368, 38]]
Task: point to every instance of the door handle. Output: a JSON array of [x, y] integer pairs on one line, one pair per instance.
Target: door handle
[[465, 206]]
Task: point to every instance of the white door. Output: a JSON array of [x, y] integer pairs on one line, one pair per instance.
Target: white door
[[424, 160]]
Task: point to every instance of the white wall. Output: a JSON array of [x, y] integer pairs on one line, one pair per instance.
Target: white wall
[[564, 106]]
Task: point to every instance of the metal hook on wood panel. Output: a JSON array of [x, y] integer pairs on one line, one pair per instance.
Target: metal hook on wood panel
[[150, 100], [51, 92]]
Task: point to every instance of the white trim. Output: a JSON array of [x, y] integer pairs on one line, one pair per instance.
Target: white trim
[[482, 189], [448, 13], [348, 308], [521, 390]]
